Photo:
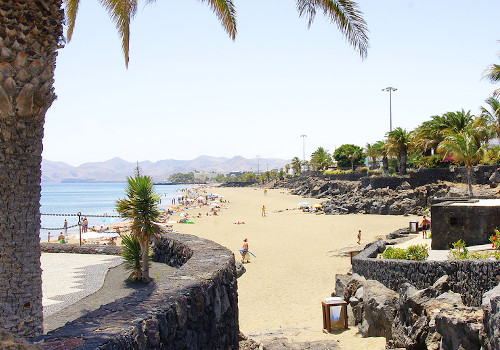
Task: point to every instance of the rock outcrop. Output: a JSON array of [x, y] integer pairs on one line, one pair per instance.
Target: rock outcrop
[[430, 318], [491, 307], [344, 197]]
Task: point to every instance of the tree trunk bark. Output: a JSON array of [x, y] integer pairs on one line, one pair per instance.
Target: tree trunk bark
[[30, 32], [403, 161], [145, 261], [385, 164], [469, 181]]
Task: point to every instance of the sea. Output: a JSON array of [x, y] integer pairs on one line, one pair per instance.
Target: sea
[[63, 201]]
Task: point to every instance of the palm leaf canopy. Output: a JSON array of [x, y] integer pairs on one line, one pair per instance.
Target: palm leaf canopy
[[399, 140], [346, 15], [463, 147], [140, 206], [123, 11]]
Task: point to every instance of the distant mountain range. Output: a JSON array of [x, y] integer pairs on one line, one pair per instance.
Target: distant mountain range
[[117, 169]]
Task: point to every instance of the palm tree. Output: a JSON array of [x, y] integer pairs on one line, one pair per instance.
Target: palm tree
[[140, 206], [399, 142], [32, 34], [373, 152], [465, 149], [320, 159], [492, 115], [296, 165], [492, 74], [381, 150]]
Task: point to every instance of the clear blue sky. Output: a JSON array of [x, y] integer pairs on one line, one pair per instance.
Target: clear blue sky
[[190, 90]]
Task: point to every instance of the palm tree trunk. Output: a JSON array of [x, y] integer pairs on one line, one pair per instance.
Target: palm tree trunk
[[145, 260], [469, 180], [385, 164], [30, 32], [403, 159]]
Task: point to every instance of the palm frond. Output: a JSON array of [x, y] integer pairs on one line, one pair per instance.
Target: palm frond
[[71, 12], [121, 13], [346, 15]]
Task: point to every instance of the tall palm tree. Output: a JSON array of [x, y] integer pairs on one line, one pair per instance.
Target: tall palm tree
[[465, 149], [381, 150], [492, 74], [373, 152], [432, 132], [399, 142], [296, 165], [31, 33], [141, 206], [321, 159], [492, 115]]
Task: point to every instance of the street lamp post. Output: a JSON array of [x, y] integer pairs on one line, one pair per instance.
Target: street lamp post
[[390, 89], [258, 164], [303, 148]]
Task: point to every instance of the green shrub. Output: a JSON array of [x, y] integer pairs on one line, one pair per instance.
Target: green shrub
[[459, 251], [435, 161], [414, 252], [363, 170], [333, 172]]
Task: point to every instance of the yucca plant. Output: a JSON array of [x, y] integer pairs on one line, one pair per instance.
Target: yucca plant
[[141, 206], [132, 256]]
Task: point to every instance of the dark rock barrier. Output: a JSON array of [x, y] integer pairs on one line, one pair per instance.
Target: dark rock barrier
[[77, 249], [470, 278], [194, 308]]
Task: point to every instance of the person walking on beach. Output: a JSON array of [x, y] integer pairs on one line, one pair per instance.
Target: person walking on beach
[[265, 192], [263, 210], [425, 226], [65, 227], [359, 237], [48, 237], [245, 255]]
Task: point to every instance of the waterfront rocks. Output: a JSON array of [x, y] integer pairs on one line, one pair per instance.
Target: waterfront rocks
[[344, 197], [491, 307], [429, 318], [460, 328], [414, 324], [379, 309]]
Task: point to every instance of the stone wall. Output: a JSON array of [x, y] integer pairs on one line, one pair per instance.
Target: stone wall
[[474, 222], [84, 249], [420, 177], [194, 308], [470, 278]]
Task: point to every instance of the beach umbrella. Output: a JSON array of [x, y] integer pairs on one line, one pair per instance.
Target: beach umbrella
[[318, 206], [303, 204]]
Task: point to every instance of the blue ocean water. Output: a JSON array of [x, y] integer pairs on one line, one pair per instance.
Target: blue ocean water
[[88, 199]]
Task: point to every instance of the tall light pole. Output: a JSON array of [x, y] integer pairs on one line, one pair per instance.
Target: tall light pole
[[303, 147], [390, 89], [258, 163]]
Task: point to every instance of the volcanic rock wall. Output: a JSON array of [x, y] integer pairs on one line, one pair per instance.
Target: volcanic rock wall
[[194, 308]]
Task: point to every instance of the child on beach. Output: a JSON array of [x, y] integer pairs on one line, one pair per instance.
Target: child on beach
[[263, 210], [245, 255], [359, 237]]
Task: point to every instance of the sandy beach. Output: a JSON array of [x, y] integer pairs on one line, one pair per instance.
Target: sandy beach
[[298, 255]]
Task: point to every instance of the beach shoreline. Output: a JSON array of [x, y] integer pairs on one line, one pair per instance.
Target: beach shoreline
[[298, 255]]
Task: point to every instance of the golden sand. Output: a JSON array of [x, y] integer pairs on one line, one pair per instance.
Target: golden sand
[[298, 255]]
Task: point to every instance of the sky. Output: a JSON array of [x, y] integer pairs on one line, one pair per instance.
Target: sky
[[190, 90]]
